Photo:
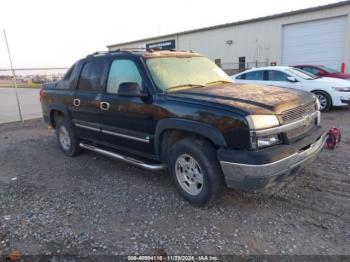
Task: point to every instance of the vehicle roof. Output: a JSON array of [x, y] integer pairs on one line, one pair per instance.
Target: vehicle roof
[[269, 68], [146, 53], [307, 65]]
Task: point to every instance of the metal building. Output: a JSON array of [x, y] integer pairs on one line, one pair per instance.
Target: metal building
[[318, 35]]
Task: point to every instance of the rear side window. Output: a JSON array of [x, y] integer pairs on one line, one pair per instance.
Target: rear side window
[[255, 75], [276, 76], [91, 76], [241, 77], [122, 71], [65, 81], [68, 74]]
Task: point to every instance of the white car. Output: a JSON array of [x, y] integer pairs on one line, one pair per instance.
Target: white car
[[330, 91]]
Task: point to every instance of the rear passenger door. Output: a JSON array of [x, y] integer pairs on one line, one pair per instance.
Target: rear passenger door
[[86, 101], [127, 122]]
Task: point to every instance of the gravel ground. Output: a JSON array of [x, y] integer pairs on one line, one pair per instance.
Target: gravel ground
[[91, 204]]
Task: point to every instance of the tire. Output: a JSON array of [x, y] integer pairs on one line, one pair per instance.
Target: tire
[[67, 140], [323, 96], [202, 179]]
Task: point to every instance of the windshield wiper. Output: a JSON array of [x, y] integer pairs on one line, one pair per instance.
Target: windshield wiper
[[218, 82], [185, 85]]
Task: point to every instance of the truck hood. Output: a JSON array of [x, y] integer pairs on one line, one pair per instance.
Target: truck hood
[[249, 98]]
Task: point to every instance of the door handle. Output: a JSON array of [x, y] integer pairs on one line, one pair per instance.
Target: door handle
[[104, 105], [76, 102]]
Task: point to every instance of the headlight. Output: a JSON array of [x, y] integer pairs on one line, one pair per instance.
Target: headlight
[[266, 141], [257, 122], [342, 89]]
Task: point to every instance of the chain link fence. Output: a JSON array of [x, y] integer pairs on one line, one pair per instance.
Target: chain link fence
[[28, 80], [30, 77]]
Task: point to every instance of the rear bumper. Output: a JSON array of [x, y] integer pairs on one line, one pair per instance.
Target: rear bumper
[[261, 170]]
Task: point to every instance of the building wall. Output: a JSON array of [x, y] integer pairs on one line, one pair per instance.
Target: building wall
[[257, 41]]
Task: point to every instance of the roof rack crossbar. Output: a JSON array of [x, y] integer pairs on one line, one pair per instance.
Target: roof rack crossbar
[[129, 50]]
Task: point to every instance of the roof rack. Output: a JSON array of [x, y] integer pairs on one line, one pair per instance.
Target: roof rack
[[129, 50]]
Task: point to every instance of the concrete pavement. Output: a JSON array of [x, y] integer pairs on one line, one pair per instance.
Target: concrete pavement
[[29, 100]]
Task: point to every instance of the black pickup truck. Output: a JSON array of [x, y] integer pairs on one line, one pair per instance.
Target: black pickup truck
[[178, 110]]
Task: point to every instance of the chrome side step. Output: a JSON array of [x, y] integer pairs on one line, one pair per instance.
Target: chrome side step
[[126, 159]]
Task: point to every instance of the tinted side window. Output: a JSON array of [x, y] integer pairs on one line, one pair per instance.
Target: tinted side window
[[91, 76], [241, 77], [68, 74], [65, 83], [122, 71], [277, 76], [255, 75]]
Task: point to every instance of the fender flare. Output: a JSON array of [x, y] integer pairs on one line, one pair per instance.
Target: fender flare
[[203, 129], [59, 107]]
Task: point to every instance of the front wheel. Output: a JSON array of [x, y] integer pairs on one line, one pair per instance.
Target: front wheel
[[325, 100], [196, 172]]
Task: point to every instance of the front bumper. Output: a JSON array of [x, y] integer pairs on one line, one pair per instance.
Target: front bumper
[[261, 170], [341, 99], [345, 100]]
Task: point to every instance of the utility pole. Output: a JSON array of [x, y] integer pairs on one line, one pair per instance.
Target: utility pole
[[14, 78]]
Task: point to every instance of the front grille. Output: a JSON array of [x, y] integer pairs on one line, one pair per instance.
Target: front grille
[[297, 113], [300, 131]]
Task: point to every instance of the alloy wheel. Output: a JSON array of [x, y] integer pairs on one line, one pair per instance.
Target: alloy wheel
[[64, 138], [189, 174]]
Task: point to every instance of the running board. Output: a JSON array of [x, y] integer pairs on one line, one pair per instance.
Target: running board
[[126, 159]]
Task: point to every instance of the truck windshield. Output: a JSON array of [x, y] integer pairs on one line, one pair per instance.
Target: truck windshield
[[179, 73]]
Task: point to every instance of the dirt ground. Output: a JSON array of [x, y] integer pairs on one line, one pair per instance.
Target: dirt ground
[[91, 204]]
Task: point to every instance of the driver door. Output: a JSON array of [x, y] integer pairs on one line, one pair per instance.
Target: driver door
[[127, 122]]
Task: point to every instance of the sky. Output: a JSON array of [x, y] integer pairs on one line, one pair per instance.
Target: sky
[[56, 33]]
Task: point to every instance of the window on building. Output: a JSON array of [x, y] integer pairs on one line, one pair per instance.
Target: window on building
[[91, 76], [276, 76], [241, 64], [122, 71], [218, 62]]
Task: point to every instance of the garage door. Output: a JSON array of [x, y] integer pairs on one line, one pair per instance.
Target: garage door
[[316, 42]]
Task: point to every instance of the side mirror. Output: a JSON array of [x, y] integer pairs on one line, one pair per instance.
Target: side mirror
[[130, 89], [321, 73], [292, 79]]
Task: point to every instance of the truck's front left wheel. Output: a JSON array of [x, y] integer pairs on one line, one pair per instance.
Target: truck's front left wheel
[[195, 170], [66, 138]]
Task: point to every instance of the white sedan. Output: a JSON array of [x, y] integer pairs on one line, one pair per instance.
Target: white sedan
[[330, 91]]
